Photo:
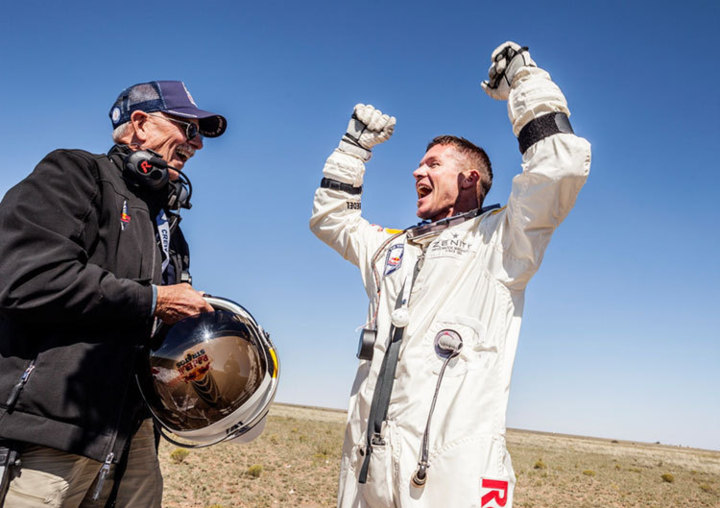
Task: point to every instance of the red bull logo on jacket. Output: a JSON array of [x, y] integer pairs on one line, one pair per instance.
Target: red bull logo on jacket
[[124, 216]]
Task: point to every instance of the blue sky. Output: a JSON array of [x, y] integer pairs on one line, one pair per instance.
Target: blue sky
[[621, 336]]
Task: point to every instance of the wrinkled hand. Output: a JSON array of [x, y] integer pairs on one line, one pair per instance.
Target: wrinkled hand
[[507, 59], [367, 127], [179, 301]]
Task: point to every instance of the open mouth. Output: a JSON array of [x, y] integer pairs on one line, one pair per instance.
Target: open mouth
[[423, 190], [184, 152]]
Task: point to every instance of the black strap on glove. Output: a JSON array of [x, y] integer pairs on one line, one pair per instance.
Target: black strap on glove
[[542, 127], [508, 53], [360, 128]]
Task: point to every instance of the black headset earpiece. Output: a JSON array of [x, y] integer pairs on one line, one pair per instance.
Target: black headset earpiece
[[147, 169]]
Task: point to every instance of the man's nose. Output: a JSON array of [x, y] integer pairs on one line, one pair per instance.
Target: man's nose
[[197, 142], [419, 172]]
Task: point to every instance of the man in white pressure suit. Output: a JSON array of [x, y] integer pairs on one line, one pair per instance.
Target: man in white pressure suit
[[426, 423]]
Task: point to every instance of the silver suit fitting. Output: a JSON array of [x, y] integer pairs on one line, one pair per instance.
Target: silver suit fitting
[[420, 476]]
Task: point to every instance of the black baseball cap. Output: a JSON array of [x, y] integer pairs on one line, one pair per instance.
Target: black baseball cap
[[170, 97]]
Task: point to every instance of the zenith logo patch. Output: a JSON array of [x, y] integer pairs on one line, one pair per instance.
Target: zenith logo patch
[[124, 216], [449, 247]]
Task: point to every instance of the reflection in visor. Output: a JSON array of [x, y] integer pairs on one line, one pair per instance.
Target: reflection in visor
[[207, 367]]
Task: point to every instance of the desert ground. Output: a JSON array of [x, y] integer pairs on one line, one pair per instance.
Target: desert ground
[[295, 463]]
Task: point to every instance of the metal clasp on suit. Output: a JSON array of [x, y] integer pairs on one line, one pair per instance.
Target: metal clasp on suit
[[377, 440]]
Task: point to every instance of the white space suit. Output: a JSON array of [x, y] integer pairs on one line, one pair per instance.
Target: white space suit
[[469, 278]]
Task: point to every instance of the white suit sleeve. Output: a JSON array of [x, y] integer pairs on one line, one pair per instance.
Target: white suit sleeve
[[554, 170], [336, 217]]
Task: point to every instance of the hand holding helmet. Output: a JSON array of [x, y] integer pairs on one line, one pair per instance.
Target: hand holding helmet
[[179, 301], [367, 127], [507, 59]]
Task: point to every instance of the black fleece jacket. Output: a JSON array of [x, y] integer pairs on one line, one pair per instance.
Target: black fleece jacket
[[78, 255]]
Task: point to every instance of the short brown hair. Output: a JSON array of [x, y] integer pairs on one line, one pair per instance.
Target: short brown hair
[[476, 157]]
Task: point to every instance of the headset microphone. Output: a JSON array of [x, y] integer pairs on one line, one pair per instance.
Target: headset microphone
[[180, 192]]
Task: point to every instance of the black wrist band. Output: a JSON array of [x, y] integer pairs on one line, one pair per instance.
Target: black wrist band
[[542, 127], [328, 183]]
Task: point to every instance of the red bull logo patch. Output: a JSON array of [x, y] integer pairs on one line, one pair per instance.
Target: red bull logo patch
[[124, 216], [195, 365], [393, 260]]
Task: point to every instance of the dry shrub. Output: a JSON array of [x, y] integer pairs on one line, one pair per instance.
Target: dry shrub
[[539, 464], [667, 477], [589, 472], [255, 471], [178, 455]]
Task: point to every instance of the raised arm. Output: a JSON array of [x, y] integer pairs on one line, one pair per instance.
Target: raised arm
[[336, 217], [555, 161]]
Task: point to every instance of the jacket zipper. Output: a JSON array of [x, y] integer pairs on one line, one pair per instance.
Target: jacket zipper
[[15, 393], [104, 470]]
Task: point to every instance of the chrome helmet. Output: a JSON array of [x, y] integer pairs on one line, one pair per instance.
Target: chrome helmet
[[211, 378]]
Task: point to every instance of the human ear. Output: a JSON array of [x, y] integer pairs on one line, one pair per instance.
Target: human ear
[[140, 124], [469, 178]]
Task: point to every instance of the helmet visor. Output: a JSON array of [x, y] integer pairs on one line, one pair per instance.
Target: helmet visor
[[207, 367]]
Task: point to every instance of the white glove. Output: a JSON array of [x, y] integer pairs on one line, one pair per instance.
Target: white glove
[[507, 59], [367, 128]]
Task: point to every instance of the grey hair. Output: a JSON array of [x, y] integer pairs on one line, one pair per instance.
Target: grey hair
[[120, 131]]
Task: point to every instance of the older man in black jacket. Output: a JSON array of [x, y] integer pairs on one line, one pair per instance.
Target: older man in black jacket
[[90, 258]]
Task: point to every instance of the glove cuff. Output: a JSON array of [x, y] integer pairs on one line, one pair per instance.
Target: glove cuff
[[344, 167], [533, 95], [350, 147], [519, 60]]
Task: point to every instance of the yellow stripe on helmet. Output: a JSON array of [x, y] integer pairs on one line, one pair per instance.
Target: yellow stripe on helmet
[[275, 362]]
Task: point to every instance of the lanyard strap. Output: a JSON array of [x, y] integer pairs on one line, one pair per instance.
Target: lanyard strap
[[163, 237], [381, 399], [386, 376]]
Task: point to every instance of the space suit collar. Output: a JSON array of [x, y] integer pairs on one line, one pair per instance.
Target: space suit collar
[[427, 230]]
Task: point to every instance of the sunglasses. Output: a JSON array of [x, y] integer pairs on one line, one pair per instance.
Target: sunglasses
[[191, 130]]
